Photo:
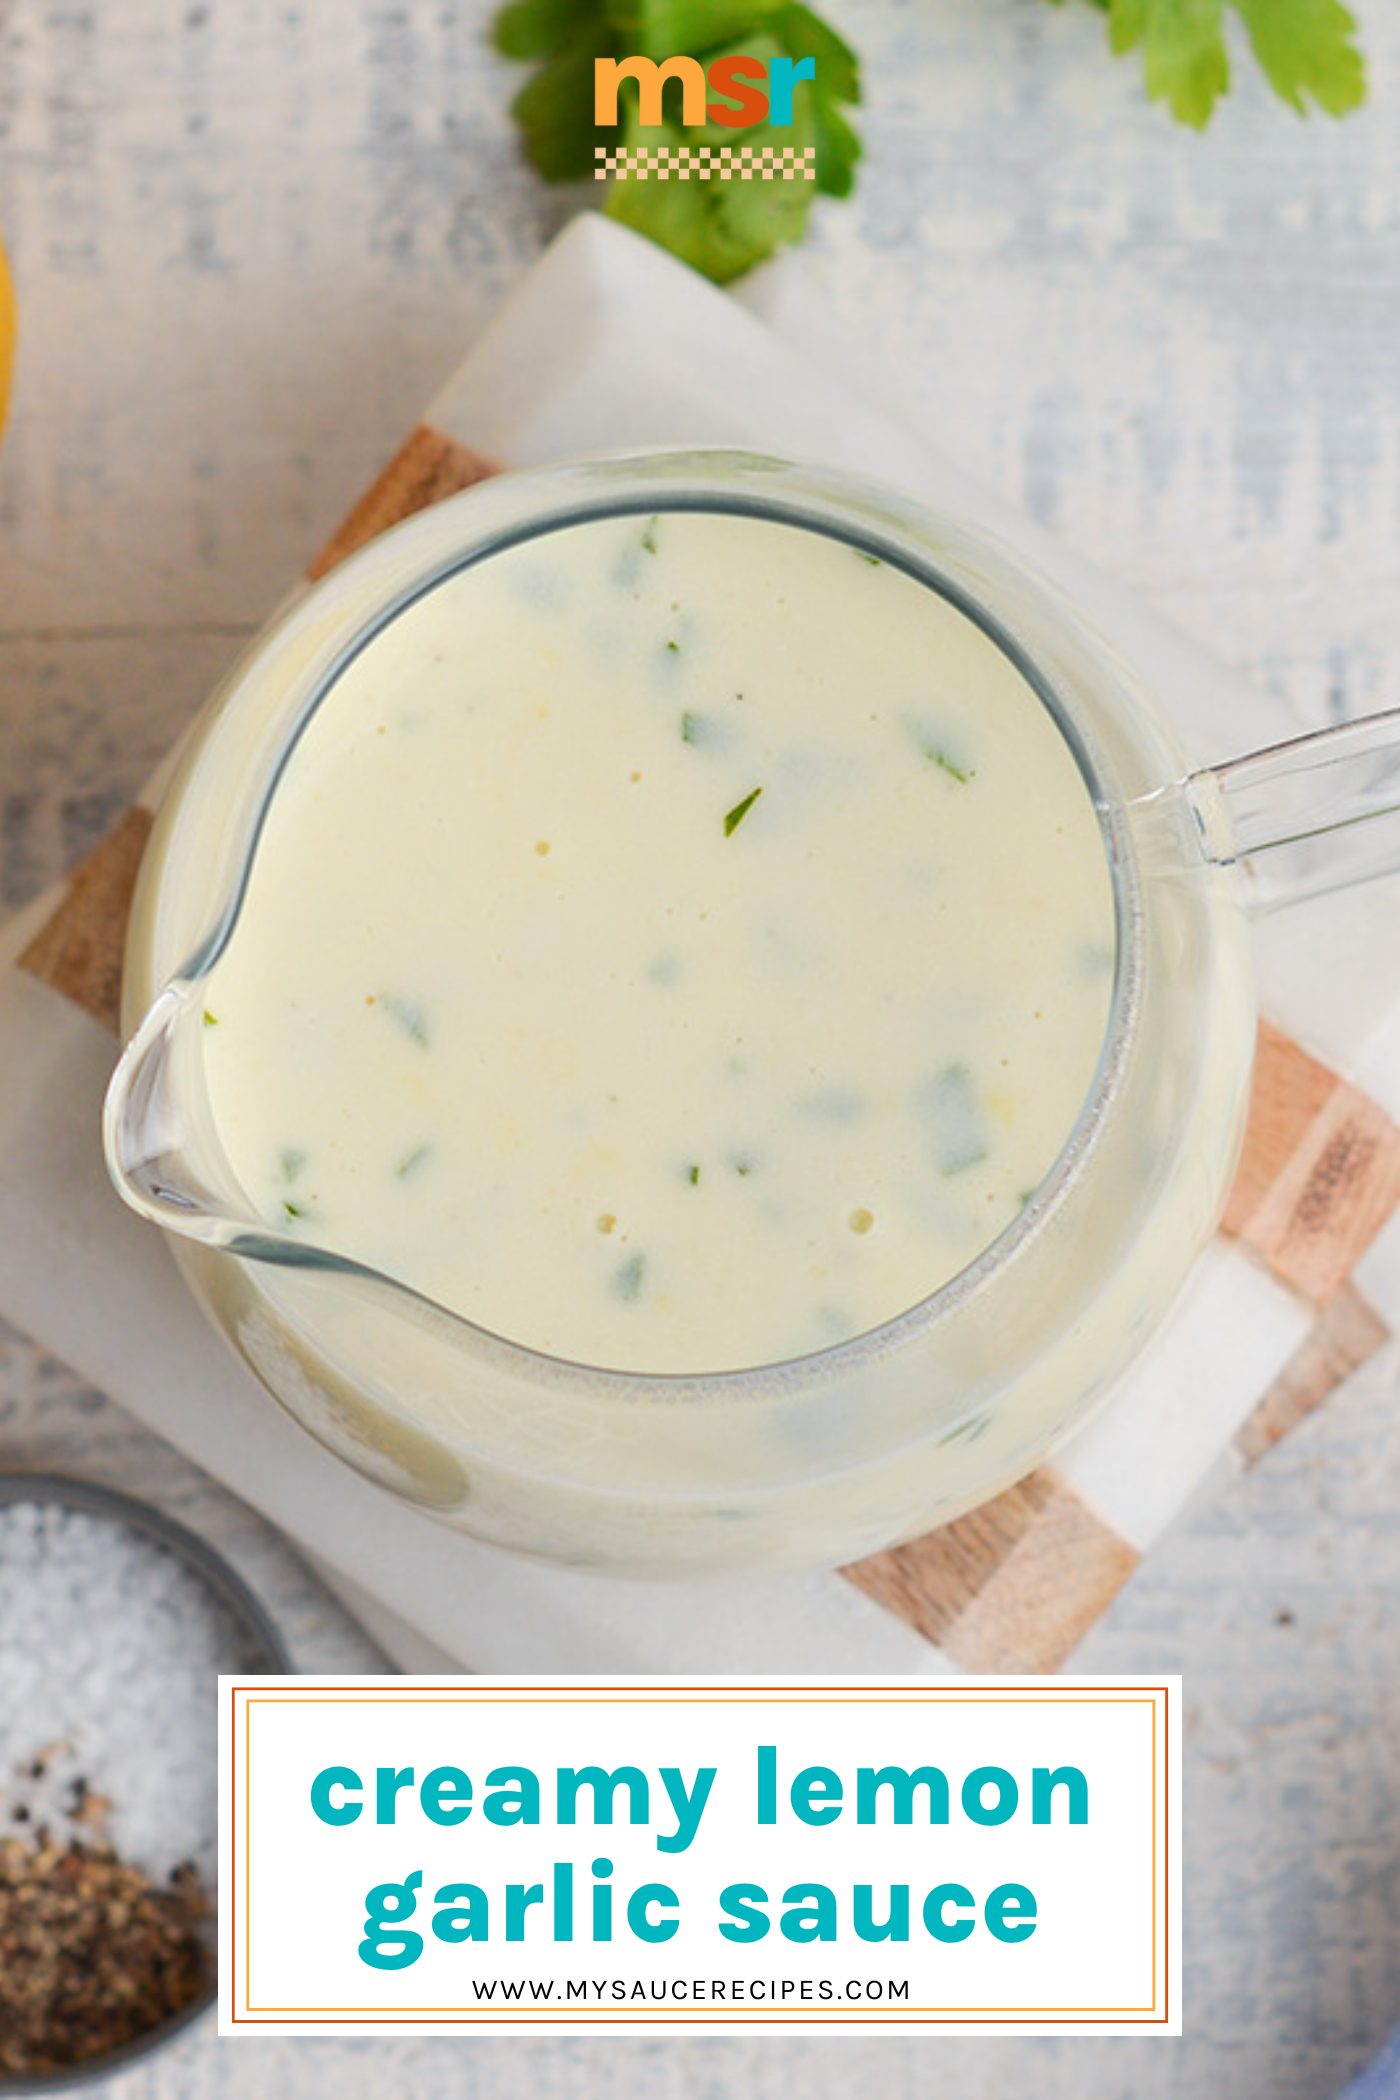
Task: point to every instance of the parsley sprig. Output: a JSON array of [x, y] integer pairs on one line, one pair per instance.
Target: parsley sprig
[[721, 227], [1306, 48]]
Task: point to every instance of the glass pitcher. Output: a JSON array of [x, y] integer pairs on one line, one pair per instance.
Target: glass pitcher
[[836, 1454]]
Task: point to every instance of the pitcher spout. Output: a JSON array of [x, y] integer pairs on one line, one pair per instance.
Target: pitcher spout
[[156, 1129]]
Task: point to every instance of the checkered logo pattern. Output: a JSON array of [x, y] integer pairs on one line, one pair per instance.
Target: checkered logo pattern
[[707, 163]]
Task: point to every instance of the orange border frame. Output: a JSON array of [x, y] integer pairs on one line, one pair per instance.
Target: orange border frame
[[742, 1695]]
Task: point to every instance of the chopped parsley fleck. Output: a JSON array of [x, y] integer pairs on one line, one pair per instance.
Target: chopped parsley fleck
[[649, 535], [693, 1177], [673, 648], [735, 817], [942, 760], [937, 753], [873, 559], [408, 1015], [699, 729], [210, 1020], [959, 1133], [411, 1162], [627, 1281], [293, 1210]]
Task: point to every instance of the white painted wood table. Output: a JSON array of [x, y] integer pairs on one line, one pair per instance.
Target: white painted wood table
[[250, 238]]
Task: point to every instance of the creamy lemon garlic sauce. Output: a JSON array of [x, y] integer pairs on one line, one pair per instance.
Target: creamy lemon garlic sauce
[[677, 943]]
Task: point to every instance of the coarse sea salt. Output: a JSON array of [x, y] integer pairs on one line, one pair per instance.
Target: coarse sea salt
[[110, 1647]]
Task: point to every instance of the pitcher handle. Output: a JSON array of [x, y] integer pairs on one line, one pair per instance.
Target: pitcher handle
[[1314, 814]]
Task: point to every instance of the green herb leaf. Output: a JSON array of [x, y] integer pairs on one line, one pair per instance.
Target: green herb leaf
[[554, 109], [806, 35], [837, 81], [694, 1177], [210, 1020], [1183, 51], [663, 28], [535, 28], [735, 817], [1306, 48]]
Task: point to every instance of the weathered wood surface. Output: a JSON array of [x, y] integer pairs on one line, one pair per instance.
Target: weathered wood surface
[[251, 240]]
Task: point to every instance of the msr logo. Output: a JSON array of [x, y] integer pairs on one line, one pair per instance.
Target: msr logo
[[713, 124], [740, 92], [750, 90]]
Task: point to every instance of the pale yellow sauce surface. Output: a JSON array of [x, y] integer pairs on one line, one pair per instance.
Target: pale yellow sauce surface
[[676, 944]]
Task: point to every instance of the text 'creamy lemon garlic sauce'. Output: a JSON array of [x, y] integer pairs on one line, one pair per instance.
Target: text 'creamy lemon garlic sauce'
[[675, 943]]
